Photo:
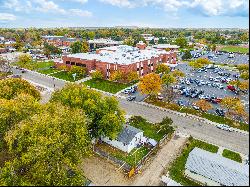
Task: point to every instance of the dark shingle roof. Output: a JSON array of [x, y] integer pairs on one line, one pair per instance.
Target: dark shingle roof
[[127, 134]]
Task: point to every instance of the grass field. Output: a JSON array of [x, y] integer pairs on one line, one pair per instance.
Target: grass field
[[35, 65], [235, 49], [177, 168], [232, 155], [65, 76], [48, 71], [107, 86]]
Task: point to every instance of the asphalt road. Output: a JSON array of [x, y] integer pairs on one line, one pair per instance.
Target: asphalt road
[[231, 140]]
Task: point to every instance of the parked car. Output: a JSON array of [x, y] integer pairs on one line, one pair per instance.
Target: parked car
[[159, 96], [231, 87], [224, 127], [180, 103], [16, 76], [196, 107], [220, 112], [131, 98]]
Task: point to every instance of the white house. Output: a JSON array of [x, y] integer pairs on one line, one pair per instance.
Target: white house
[[127, 140]]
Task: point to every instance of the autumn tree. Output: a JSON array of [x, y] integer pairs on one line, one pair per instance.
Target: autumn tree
[[15, 110], [10, 88], [181, 41], [79, 71], [97, 75], [234, 107], [24, 58], [162, 68], [242, 85], [132, 76], [117, 76], [150, 84], [199, 63], [178, 73], [106, 118], [245, 75], [204, 105], [47, 149]]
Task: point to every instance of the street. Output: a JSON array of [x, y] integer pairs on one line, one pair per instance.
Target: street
[[231, 140]]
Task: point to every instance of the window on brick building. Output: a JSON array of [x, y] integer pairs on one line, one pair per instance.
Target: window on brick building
[[67, 62], [142, 68], [138, 69], [73, 63]]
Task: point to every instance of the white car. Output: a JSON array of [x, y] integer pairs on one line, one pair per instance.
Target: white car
[[224, 127], [188, 83]]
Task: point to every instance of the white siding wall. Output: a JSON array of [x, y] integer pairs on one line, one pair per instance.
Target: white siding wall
[[121, 146]]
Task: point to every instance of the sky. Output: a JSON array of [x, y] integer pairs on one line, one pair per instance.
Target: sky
[[109, 13]]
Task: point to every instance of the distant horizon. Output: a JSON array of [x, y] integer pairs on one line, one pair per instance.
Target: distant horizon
[[125, 27], [111, 13]]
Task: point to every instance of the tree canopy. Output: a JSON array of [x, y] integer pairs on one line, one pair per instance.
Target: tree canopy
[[47, 148], [10, 88], [104, 112]]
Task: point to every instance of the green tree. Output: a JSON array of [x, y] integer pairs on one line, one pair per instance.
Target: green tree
[[76, 47], [178, 73], [96, 107], [97, 75], [186, 55], [168, 79], [166, 125], [162, 68], [152, 42], [10, 88], [181, 41], [47, 148]]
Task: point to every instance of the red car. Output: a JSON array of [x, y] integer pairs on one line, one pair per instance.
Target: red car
[[232, 88]]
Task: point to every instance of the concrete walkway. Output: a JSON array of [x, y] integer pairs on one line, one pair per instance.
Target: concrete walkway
[[151, 176]]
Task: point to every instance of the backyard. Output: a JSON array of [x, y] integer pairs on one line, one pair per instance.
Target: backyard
[[107, 86], [236, 49], [177, 168], [150, 130], [133, 158]]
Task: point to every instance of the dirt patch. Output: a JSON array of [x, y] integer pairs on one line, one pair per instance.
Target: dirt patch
[[104, 173]]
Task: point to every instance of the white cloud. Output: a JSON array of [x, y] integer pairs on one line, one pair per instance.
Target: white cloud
[[7, 17], [206, 7], [17, 5], [78, 12]]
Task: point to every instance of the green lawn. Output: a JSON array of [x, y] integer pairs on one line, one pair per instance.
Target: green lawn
[[133, 158], [107, 86], [177, 168], [211, 117], [65, 76], [232, 155], [48, 71], [150, 130], [235, 49], [35, 65]]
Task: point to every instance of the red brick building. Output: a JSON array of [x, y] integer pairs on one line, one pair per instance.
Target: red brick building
[[124, 58], [60, 41]]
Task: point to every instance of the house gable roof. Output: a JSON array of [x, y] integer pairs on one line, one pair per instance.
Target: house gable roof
[[127, 134]]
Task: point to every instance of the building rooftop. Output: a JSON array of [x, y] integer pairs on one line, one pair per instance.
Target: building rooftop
[[104, 41], [217, 168], [165, 46], [127, 134], [121, 54]]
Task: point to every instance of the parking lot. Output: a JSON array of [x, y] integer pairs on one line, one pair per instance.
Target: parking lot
[[210, 87], [223, 58]]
